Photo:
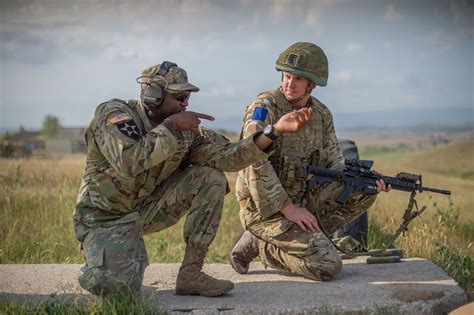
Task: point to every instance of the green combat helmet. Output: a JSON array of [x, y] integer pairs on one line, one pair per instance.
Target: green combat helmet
[[306, 60]]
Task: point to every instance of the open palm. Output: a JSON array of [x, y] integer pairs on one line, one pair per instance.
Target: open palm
[[294, 121]]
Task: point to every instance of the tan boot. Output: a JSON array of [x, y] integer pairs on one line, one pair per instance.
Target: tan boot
[[192, 281], [243, 252]]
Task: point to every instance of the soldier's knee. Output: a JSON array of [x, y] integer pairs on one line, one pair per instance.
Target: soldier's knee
[[101, 281], [324, 261], [333, 268], [324, 270]]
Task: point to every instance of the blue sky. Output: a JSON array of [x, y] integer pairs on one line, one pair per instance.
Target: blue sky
[[387, 59]]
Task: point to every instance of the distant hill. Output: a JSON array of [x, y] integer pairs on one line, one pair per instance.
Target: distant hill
[[451, 160], [377, 119]]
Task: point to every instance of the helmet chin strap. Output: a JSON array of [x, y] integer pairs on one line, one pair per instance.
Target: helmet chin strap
[[298, 99]]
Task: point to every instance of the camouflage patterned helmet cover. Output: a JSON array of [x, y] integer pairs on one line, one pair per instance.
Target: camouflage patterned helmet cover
[[175, 80], [305, 59]]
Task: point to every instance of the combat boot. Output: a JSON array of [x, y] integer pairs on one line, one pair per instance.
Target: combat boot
[[192, 281], [243, 252]]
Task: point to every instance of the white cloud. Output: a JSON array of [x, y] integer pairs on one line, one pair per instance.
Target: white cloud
[[354, 47], [315, 10], [220, 91], [280, 8], [391, 15], [342, 76], [444, 40]]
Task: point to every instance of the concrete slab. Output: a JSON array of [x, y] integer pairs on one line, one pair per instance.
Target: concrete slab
[[413, 286]]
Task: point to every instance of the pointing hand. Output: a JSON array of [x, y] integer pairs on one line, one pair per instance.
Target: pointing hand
[[187, 120]]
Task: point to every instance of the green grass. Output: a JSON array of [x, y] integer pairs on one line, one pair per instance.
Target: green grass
[[55, 305]]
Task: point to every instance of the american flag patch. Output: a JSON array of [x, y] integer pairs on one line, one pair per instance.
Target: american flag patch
[[119, 118]]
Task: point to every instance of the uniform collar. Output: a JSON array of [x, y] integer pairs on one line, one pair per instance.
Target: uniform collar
[[148, 124], [284, 104]]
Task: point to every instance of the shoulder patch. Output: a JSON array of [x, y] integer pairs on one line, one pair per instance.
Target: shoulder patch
[[260, 113], [119, 118], [130, 129]]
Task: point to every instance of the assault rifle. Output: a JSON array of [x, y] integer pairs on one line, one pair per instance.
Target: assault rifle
[[358, 176]]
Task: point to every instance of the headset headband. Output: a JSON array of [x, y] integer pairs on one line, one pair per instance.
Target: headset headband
[[165, 67]]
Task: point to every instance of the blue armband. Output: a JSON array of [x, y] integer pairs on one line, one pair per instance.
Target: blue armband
[[260, 113]]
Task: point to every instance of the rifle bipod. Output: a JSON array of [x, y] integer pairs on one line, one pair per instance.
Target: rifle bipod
[[388, 254]]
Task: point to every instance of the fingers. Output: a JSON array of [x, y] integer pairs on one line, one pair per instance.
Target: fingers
[[382, 187], [203, 116], [309, 222], [302, 226], [312, 223], [379, 185], [305, 113]]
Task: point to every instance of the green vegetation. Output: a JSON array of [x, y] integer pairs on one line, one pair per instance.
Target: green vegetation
[[55, 305], [37, 198], [459, 267], [50, 126]]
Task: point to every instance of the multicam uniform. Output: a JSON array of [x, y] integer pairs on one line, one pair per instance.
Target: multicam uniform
[[141, 178], [263, 189]]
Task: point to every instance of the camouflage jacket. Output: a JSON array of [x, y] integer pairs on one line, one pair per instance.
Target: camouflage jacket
[[269, 184], [129, 157]]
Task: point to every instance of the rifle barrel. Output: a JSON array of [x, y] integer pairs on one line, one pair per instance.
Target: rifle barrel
[[435, 190]]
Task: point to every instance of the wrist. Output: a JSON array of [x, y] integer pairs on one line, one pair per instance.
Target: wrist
[[277, 132], [269, 132], [286, 207]]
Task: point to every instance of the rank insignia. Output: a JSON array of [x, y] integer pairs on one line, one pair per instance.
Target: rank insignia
[[260, 113], [292, 59], [119, 118], [129, 129]]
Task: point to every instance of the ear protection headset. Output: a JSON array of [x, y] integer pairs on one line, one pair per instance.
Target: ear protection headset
[[154, 93]]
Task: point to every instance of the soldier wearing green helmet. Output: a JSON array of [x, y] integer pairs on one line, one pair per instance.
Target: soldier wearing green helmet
[[306, 60], [282, 220]]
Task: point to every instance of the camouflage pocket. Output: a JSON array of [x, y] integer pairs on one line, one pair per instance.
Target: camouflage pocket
[[269, 228], [92, 275], [294, 172], [95, 259], [80, 229]]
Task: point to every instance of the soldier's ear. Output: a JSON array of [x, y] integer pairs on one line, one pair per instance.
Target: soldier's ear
[[311, 84]]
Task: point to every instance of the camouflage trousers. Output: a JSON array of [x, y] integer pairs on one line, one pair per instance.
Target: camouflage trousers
[[115, 252], [286, 247]]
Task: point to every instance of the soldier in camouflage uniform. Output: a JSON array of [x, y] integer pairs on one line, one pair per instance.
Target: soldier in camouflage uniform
[[149, 163], [283, 221]]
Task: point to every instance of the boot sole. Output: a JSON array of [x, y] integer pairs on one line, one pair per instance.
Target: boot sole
[[207, 294], [230, 254]]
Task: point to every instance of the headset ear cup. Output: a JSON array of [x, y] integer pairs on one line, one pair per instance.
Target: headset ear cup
[[153, 95]]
